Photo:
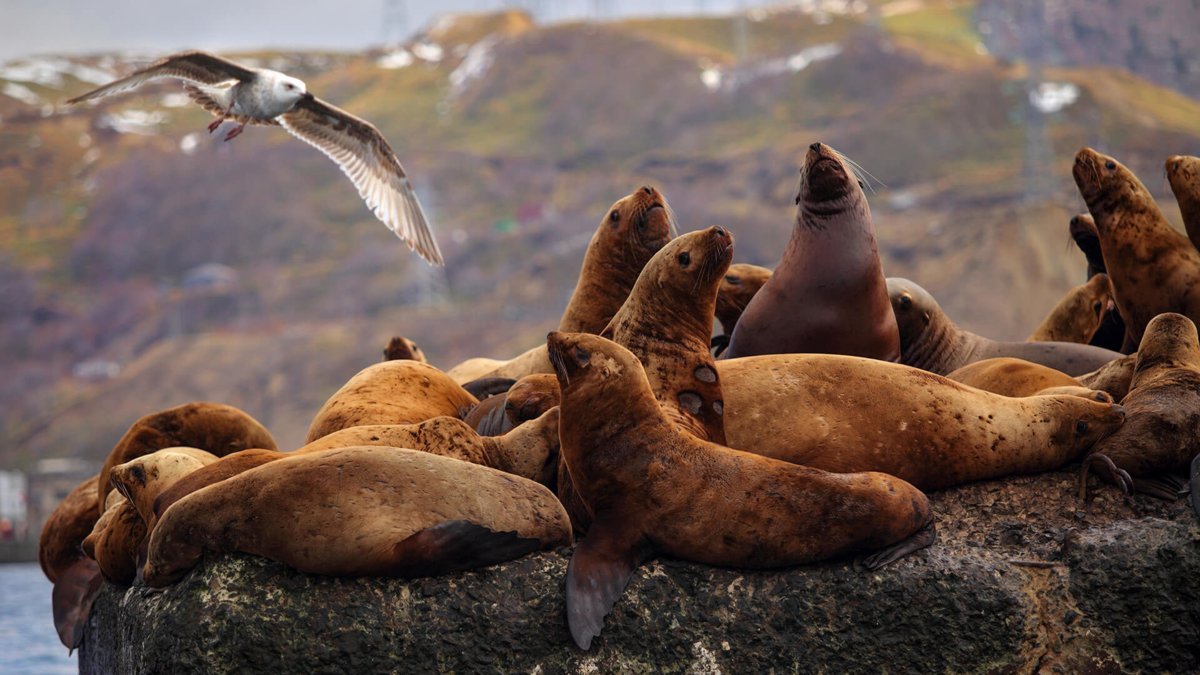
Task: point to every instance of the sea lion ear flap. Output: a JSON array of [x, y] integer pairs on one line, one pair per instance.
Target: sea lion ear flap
[[72, 598], [600, 568], [456, 545]]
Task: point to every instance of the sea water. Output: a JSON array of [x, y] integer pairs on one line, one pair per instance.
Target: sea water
[[28, 642]]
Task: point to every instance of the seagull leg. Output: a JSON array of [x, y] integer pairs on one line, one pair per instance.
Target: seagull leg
[[235, 132], [215, 123]]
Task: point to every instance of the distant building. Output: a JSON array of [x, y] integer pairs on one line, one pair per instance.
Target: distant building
[[96, 369], [210, 277]]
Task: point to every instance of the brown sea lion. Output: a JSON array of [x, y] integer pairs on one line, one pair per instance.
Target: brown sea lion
[[1162, 435], [653, 489], [118, 541], [666, 323], [741, 282], [526, 400], [1087, 238], [400, 347], [1113, 377], [929, 340], [361, 511], [633, 229], [76, 577], [392, 392], [846, 414], [1078, 316], [1016, 377], [1183, 172], [215, 427], [1153, 268], [143, 479], [226, 467], [488, 418], [828, 294]]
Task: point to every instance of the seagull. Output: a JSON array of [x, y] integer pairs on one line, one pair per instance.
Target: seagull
[[266, 97]]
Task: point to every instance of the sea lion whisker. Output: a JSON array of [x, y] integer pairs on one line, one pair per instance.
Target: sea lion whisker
[[856, 167]]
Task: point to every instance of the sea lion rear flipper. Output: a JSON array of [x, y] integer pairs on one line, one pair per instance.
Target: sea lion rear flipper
[[72, 598], [489, 386], [1166, 486], [919, 540], [600, 568], [456, 545]]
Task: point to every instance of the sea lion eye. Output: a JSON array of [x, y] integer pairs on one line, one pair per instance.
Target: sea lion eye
[[905, 302], [733, 281], [1176, 167], [684, 259], [1096, 306], [861, 185], [1081, 427], [1110, 165], [615, 215], [582, 355]]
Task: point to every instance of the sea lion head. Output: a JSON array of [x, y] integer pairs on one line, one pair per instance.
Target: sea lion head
[[531, 397], [400, 347], [586, 361], [1104, 182], [738, 287], [827, 183], [1087, 238], [1085, 421], [914, 307], [1183, 171], [141, 480], [640, 223], [1169, 342], [691, 263]]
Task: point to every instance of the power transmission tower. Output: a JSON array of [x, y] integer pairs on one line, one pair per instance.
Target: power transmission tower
[[393, 28]]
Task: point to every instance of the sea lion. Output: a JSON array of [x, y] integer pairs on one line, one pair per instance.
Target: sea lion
[[215, 427], [633, 229], [1016, 377], [400, 347], [488, 418], [845, 414], [76, 577], [489, 386], [226, 467], [1162, 435], [392, 392], [666, 322], [741, 282], [531, 397], [654, 489], [141, 480], [929, 340], [1153, 268], [360, 511], [1078, 316], [118, 541], [828, 293], [1087, 238], [473, 369], [1183, 172], [1113, 377]]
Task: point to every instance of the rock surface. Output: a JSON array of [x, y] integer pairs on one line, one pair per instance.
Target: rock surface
[[1024, 578]]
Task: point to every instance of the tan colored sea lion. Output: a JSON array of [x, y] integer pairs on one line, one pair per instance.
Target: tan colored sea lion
[[400, 347], [1016, 377], [654, 489], [1183, 172], [361, 511], [742, 281], [226, 467], [633, 229], [666, 322], [929, 340], [215, 427], [1078, 316], [141, 480], [1162, 435], [76, 577], [392, 392], [828, 294], [1113, 377], [1153, 268]]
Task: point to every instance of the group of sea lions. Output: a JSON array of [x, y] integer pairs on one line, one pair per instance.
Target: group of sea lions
[[807, 429]]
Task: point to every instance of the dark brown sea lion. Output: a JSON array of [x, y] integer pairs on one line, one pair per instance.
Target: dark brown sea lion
[[828, 294], [1153, 268], [215, 427], [1183, 172], [742, 281], [1015, 377], [392, 392], [1078, 316], [488, 418], [653, 489], [400, 347], [1162, 435], [1087, 238], [117, 541], [531, 397], [666, 323], [929, 340], [633, 229], [360, 511], [76, 577]]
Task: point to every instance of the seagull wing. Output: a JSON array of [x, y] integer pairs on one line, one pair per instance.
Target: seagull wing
[[366, 158], [199, 68]]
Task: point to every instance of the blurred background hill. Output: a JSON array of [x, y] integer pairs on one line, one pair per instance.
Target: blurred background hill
[[144, 263]]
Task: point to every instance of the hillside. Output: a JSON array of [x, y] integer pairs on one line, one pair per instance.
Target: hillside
[[518, 137]]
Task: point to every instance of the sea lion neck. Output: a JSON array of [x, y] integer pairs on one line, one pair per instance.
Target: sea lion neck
[[605, 280], [940, 342]]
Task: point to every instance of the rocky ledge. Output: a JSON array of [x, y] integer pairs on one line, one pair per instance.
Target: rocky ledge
[[1024, 578]]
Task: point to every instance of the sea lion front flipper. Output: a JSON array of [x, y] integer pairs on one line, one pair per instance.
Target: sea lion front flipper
[[919, 540], [456, 545], [72, 598], [1115, 474], [1166, 486], [489, 386], [718, 344], [600, 568]]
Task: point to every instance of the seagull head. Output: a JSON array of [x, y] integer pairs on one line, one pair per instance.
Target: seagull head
[[290, 89]]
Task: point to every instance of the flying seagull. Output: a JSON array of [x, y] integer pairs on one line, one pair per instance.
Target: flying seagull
[[261, 96]]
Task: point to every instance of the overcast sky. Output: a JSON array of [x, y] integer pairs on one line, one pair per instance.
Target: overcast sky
[[83, 26]]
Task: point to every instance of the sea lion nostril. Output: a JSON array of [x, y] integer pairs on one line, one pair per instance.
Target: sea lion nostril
[[648, 190], [815, 147], [720, 231]]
